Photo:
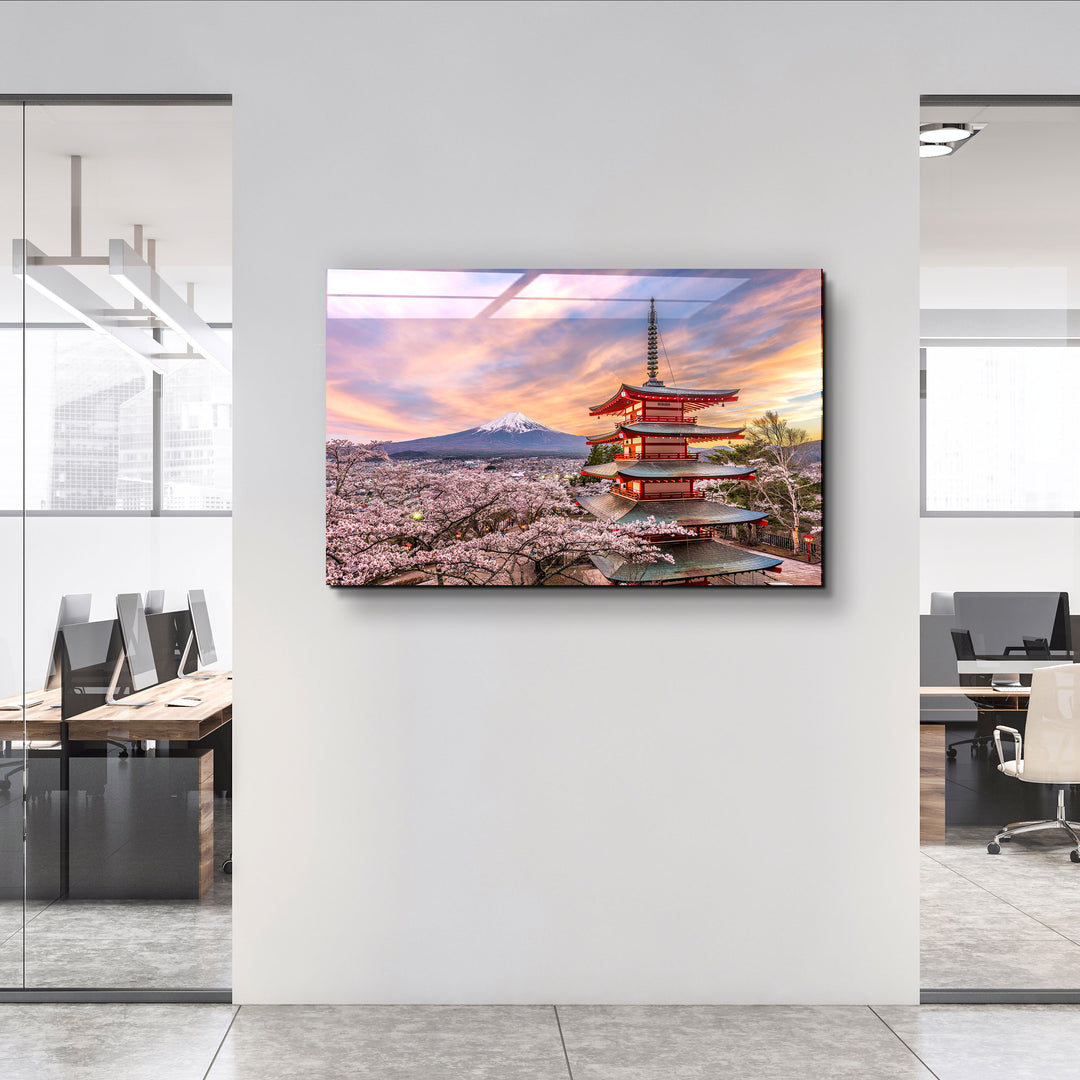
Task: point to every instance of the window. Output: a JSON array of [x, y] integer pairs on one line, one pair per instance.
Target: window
[[90, 428], [1000, 430], [197, 437]]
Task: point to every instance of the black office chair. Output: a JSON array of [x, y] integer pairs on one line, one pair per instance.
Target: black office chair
[[988, 711]]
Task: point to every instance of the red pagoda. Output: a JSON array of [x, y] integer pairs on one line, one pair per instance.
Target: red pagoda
[[654, 473]]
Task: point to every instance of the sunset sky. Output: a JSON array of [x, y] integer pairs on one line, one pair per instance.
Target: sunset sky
[[417, 353]]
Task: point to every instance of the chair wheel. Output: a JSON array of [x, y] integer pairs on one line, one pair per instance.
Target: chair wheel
[[226, 866], [1074, 855], [993, 848], [951, 753]]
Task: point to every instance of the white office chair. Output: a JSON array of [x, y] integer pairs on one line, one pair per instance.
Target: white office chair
[[1049, 750]]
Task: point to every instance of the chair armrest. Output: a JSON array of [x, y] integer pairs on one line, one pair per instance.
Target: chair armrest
[[1017, 739]]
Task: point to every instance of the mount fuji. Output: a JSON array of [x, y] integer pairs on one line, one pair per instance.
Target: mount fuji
[[512, 434]]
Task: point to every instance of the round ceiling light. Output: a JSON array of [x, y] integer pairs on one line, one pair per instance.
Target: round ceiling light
[[943, 133], [934, 149]]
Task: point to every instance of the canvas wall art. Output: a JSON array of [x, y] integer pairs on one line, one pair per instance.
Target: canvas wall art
[[574, 428]]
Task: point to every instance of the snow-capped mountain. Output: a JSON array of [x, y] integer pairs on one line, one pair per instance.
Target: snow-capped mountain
[[513, 421], [512, 433]]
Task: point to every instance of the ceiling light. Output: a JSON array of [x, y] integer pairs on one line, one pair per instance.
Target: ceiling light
[[945, 133], [30, 264], [133, 329], [146, 285], [941, 140]]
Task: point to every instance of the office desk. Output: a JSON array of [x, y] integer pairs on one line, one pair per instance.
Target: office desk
[[1013, 698], [932, 747], [42, 721], [146, 846], [159, 720]]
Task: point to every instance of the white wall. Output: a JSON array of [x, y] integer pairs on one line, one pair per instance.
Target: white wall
[[483, 803]]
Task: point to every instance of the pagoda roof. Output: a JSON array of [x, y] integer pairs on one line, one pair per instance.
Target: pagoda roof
[[676, 469], [693, 399], [685, 512], [693, 559], [688, 431]]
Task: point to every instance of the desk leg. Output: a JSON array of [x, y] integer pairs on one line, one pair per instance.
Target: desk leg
[[206, 821], [65, 818], [932, 783]]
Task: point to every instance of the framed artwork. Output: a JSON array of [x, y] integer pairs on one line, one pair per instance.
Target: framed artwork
[[574, 428]]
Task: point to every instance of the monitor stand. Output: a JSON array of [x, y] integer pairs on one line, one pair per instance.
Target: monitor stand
[[183, 660], [109, 699]]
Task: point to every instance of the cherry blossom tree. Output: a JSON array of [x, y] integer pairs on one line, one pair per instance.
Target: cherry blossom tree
[[786, 485], [461, 525]]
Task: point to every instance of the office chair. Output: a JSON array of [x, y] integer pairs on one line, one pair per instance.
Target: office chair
[[1049, 751], [988, 710]]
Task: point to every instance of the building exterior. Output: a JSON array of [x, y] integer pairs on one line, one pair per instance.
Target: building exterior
[[654, 473]]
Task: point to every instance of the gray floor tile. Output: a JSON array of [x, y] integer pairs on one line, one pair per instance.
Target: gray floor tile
[[990, 921], [158, 944], [951, 906], [392, 1042], [758, 1042], [991, 1042], [1000, 963], [110, 1042]]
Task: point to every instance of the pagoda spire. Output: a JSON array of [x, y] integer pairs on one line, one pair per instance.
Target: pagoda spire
[[653, 365]]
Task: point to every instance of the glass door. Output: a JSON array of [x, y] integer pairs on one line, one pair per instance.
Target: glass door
[[121, 362], [1000, 299]]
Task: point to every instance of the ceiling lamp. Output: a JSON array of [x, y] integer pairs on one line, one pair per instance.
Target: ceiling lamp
[[941, 140], [940, 133], [137, 330]]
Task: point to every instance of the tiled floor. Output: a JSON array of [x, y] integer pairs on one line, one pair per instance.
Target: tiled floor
[[1008, 921], [218, 1042]]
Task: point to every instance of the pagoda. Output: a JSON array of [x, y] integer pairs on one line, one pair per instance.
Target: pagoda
[[654, 473]]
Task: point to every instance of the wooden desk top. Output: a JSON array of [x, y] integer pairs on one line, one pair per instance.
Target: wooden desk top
[[973, 691], [42, 721], [158, 720]]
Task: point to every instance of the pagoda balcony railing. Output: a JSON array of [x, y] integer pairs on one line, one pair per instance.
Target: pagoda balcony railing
[[628, 493], [657, 457]]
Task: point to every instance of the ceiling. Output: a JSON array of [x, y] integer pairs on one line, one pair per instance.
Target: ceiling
[[168, 168], [1007, 201]]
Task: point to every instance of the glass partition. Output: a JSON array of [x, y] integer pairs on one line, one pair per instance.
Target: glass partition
[[115, 345], [12, 754]]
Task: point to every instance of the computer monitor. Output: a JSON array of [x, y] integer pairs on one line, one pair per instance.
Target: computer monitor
[[155, 601], [137, 653], [201, 635], [1016, 631], [169, 634], [941, 603], [89, 654], [74, 608]]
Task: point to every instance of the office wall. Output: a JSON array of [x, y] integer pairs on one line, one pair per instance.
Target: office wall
[[493, 797], [104, 556]]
